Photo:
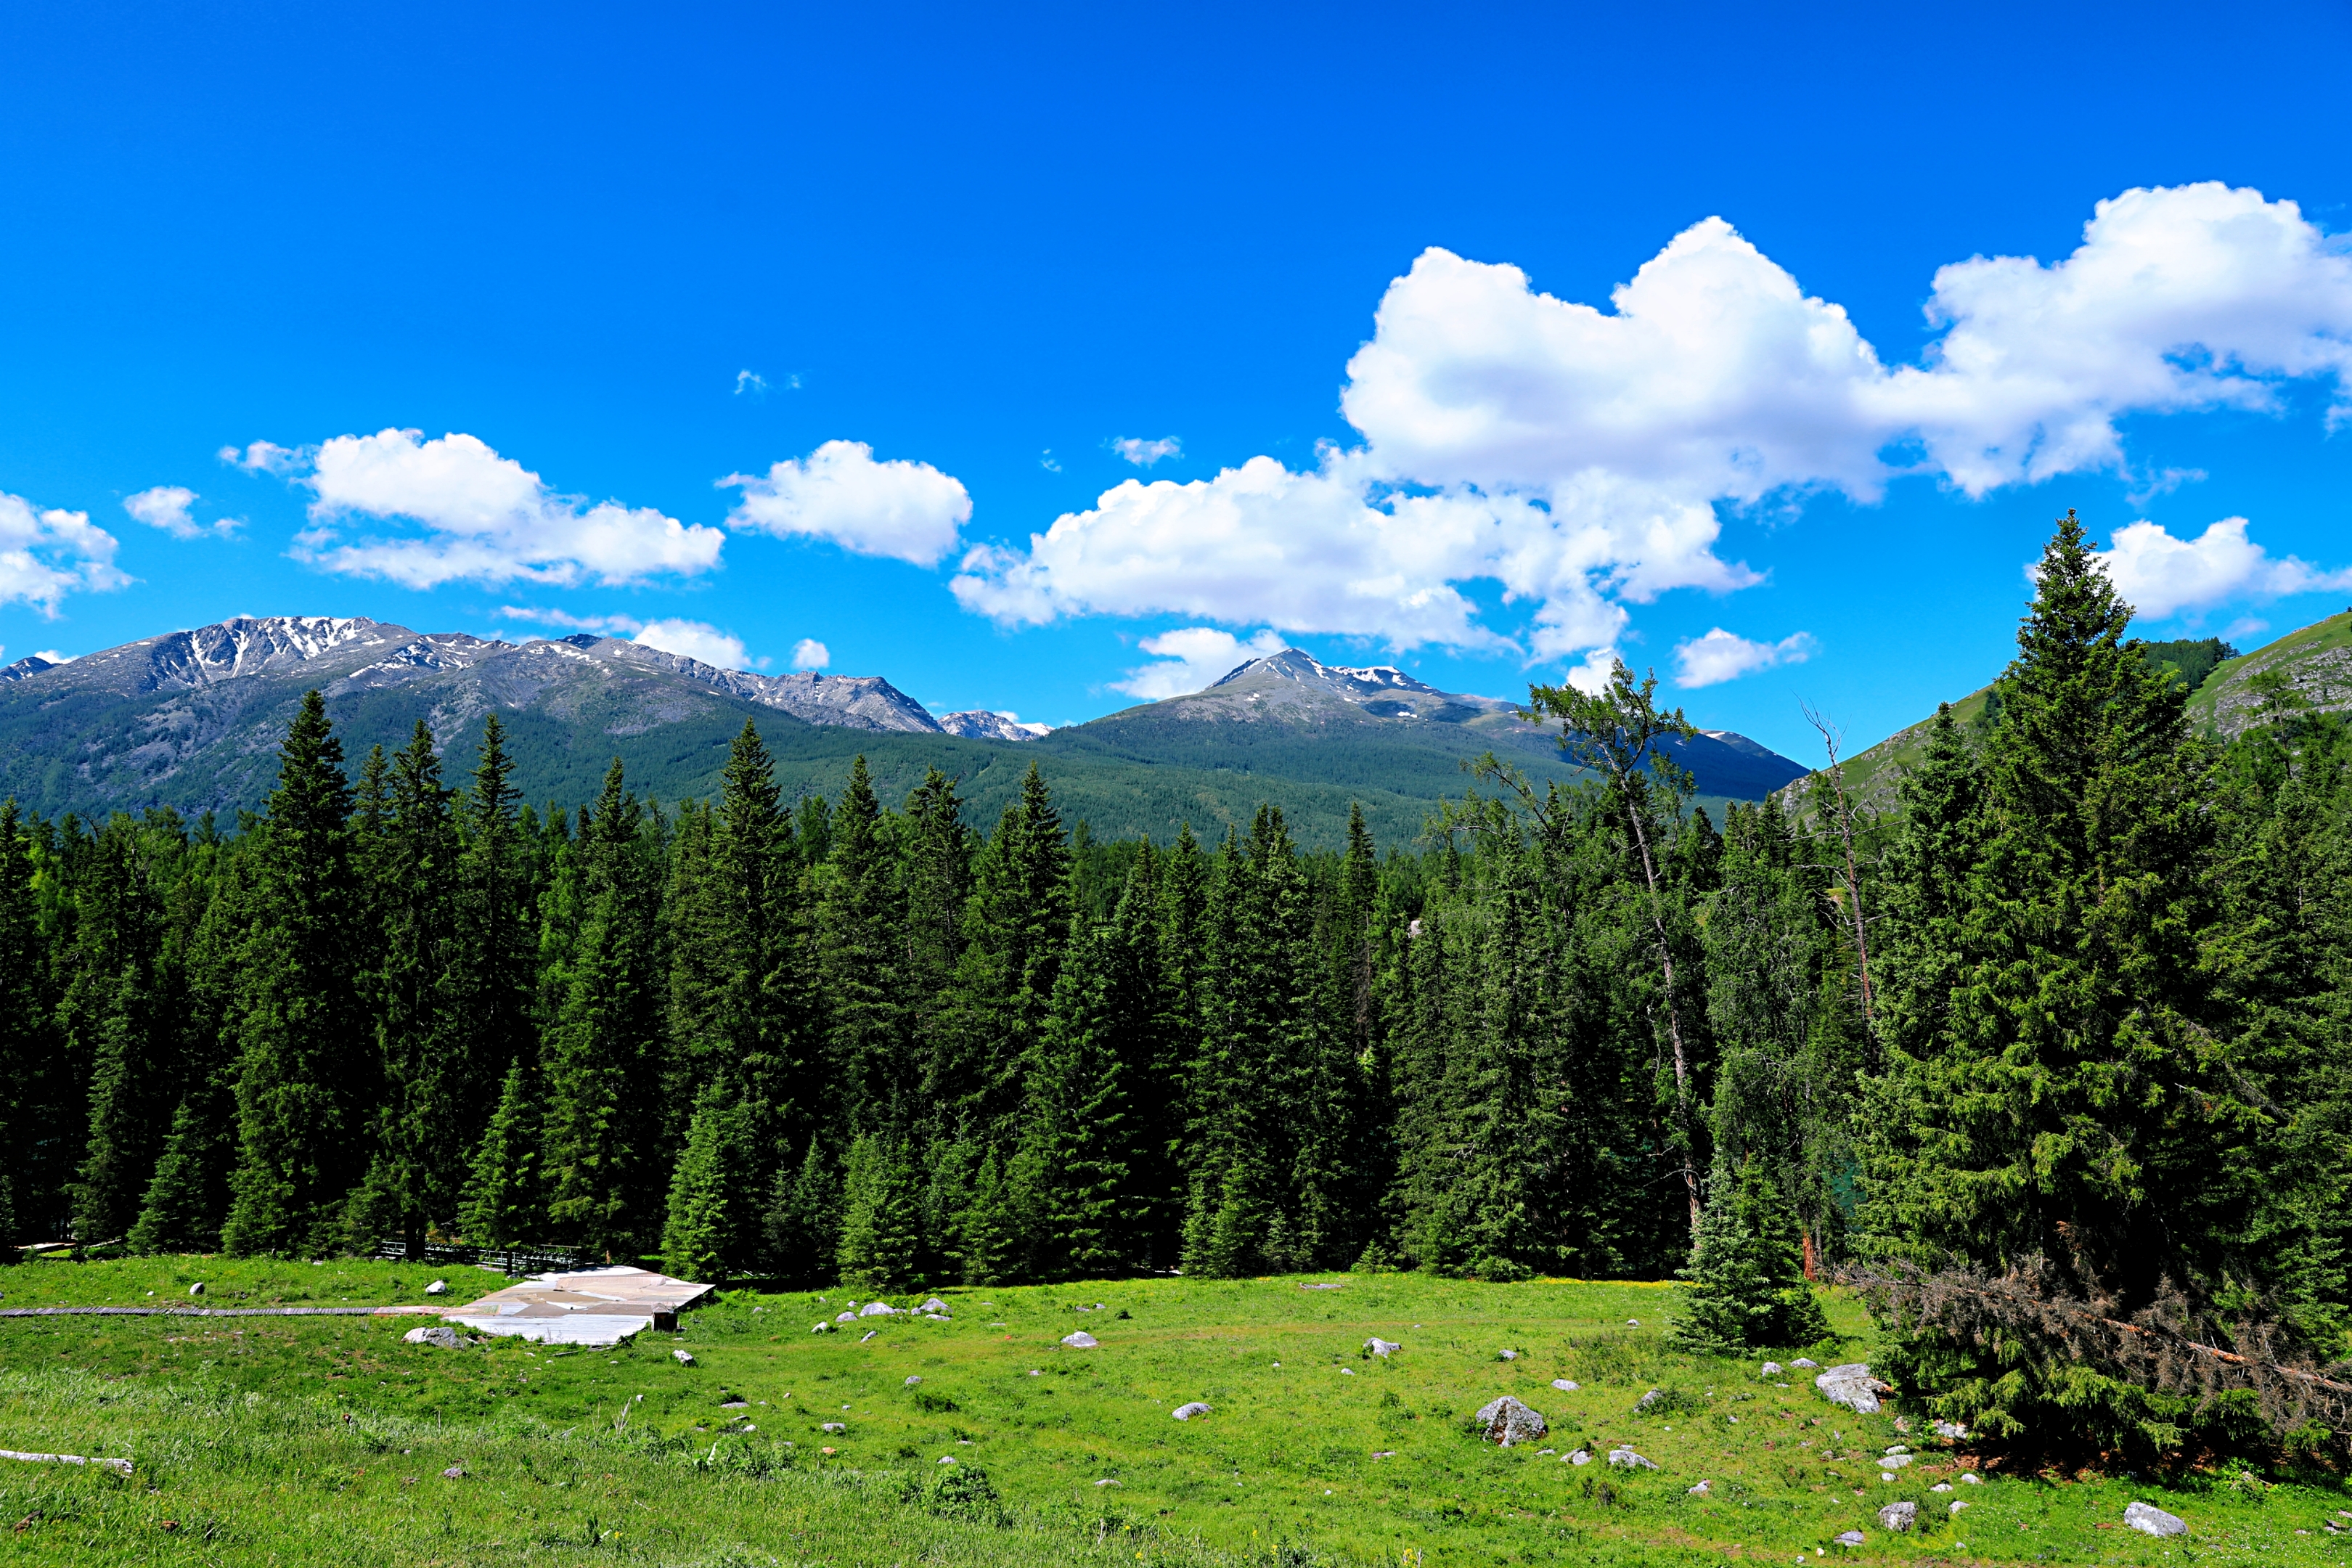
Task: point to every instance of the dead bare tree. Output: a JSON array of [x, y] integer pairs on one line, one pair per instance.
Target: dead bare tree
[[1832, 737]]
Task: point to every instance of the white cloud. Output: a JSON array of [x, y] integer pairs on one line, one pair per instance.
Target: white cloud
[[485, 518], [750, 381], [53, 657], [1192, 659], [1143, 453], [1047, 462], [2161, 575], [809, 654], [1577, 456], [46, 553], [166, 507], [607, 625], [1594, 675], [268, 457], [905, 510], [1721, 655], [695, 639]]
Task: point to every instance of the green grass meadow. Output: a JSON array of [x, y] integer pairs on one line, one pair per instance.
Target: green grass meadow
[[324, 1440]]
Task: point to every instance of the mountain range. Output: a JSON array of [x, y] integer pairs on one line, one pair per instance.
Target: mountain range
[[192, 719]]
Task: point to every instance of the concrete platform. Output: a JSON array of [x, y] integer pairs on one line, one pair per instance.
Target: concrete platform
[[582, 1306]]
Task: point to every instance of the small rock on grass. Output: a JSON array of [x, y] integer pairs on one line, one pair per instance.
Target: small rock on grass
[[1769, 1369], [1509, 1422], [1581, 1457], [1186, 1412], [440, 1335], [912, 1381], [1806, 1363], [1850, 1538], [1851, 1387], [1898, 1515], [438, 1288], [454, 1473], [867, 1335], [683, 1358], [1699, 1491], [2150, 1519], [197, 1289], [1624, 1458], [836, 1425], [1955, 1509], [1381, 1347], [1081, 1341]]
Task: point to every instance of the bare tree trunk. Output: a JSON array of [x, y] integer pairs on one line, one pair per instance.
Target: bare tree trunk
[[1830, 737], [1673, 1010]]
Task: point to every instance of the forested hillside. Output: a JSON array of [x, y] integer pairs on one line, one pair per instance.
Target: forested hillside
[[2072, 1048]]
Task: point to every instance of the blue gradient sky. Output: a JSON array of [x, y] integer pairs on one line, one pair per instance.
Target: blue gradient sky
[[995, 242]]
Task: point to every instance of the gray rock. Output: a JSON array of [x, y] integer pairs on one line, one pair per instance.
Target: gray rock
[[1581, 1457], [1893, 1461], [683, 1358], [454, 1473], [1563, 1386], [1769, 1369], [1186, 1412], [867, 1335], [1804, 1362], [1849, 1538], [1081, 1341], [2150, 1519], [836, 1425], [1955, 1509], [878, 1309], [1699, 1491], [1508, 1422], [1381, 1347], [1511, 1355], [822, 1329], [934, 1305], [1851, 1387], [1624, 1458], [197, 1289], [1649, 1400], [439, 1334], [1970, 1478], [1898, 1515], [1948, 1429], [912, 1381], [438, 1288], [847, 1318]]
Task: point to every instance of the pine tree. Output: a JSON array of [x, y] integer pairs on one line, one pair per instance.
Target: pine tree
[[2080, 1109], [709, 1233], [604, 1042], [121, 1013], [302, 1134], [881, 1233], [803, 1225], [1748, 1286], [21, 1016], [1014, 927], [504, 1203], [187, 1199], [430, 1085], [1081, 1118], [496, 922], [858, 942]]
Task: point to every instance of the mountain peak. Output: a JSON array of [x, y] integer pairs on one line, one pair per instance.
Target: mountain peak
[[1348, 682]]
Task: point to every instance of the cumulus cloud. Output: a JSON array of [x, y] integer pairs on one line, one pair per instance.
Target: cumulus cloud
[[1580, 457], [905, 510], [166, 507], [1721, 655], [48, 552], [607, 625], [750, 381], [809, 654], [1143, 453], [1192, 659], [2161, 575], [268, 457], [483, 517], [695, 640]]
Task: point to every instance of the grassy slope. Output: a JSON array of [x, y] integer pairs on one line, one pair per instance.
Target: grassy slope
[[2319, 655], [321, 1440]]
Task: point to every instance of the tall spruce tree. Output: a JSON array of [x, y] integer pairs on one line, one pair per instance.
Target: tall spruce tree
[[22, 1016], [858, 947], [302, 1133], [2081, 1112], [121, 1013], [496, 922], [505, 1200]]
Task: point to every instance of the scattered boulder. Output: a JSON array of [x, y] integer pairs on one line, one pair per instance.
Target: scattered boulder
[[454, 1473], [836, 1425], [440, 1335], [2150, 1519], [438, 1288], [197, 1289], [1081, 1341], [1381, 1347], [911, 1381], [1333, 1286], [1851, 1387], [1108, 1481], [1942, 1487], [683, 1358], [1972, 1477], [1582, 1456], [1769, 1369], [1955, 1509], [1633, 1322], [1849, 1538], [1648, 1402], [867, 1335], [934, 1305], [847, 1318], [1509, 1355], [1805, 1363], [1699, 1491], [822, 1328], [1898, 1515], [1564, 1385], [1623, 1458], [1893, 1461], [737, 1404], [1950, 1429], [1186, 1412], [878, 1309], [1508, 1422]]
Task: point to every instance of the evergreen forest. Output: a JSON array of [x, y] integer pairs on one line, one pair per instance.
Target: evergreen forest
[[2065, 1041]]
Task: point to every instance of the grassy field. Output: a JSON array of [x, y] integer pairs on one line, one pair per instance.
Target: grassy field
[[325, 1440]]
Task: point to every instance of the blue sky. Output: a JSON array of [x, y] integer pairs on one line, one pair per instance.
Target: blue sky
[[506, 298]]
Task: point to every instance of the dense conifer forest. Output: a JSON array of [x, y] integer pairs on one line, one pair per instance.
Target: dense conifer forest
[[2063, 1040]]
